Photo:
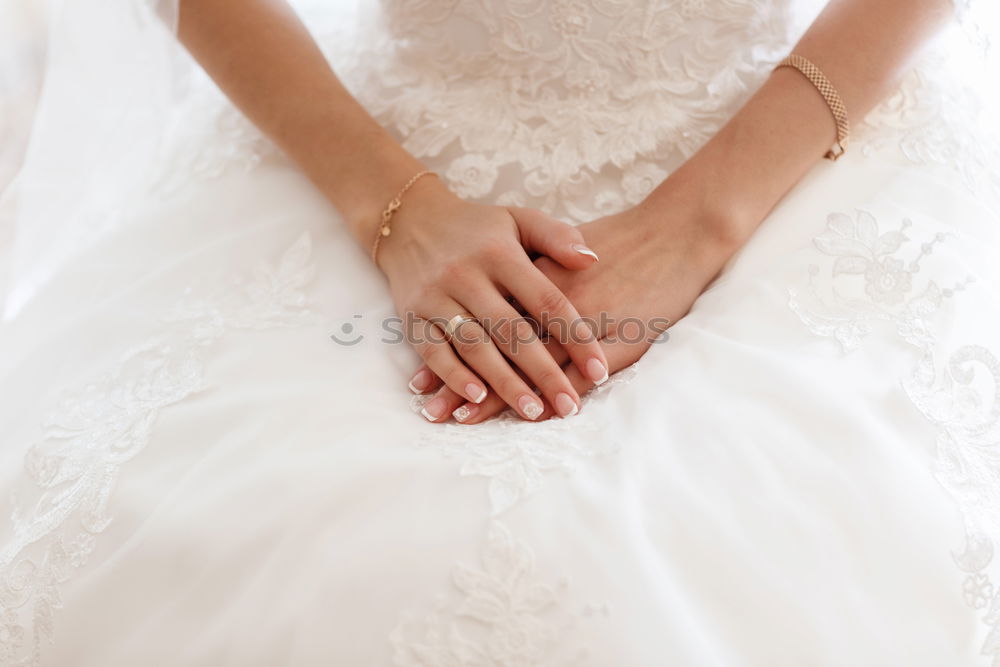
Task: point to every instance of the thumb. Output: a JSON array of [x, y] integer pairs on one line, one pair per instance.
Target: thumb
[[542, 234]]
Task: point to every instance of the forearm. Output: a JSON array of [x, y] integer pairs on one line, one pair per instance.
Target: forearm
[[863, 47], [265, 60]]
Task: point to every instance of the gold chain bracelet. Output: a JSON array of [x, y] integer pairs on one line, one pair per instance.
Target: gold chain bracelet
[[830, 95], [386, 227]]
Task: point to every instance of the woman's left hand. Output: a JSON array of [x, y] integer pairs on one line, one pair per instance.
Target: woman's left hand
[[656, 259]]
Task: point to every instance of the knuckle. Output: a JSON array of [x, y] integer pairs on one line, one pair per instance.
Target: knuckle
[[455, 377], [423, 348], [523, 332], [436, 356], [423, 336], [495, 250], [422, 294], [507, 385], [467, 346], [504, 331], [549, 377], [552, 302], [450, 273]]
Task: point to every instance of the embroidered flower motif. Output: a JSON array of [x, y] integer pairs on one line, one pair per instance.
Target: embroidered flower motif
[[640, 179], [11, 637], [570, 18], [511, 198], [472, 176], [978, 590], [505, 615], [80, 549], [609, 202], [860, 249], [887, 281], [588, 78]]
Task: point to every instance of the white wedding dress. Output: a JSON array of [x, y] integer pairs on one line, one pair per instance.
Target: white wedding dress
[[194, 471]]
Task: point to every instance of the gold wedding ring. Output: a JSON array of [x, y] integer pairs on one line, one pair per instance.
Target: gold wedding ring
[[454, 323]]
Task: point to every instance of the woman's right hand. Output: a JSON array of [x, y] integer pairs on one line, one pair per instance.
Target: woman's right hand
[[448, 257]]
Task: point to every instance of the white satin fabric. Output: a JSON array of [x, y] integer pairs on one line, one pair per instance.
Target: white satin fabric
[[805, 473]]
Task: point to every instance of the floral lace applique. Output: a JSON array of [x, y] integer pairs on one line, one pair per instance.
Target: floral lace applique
[[515, 454], [961, 398], [505, 615], [935, 119], [552, 93], [886, 267], [963, 401], [92, 432]]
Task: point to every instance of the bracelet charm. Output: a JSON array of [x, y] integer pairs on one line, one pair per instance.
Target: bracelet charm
[[386, 227]]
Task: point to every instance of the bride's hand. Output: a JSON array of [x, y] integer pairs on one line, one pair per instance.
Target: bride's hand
[[655, 261], [447, 257]]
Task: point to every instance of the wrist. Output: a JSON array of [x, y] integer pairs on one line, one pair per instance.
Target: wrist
[[415, 225], [713, 223], [363, 191], [732, 183]]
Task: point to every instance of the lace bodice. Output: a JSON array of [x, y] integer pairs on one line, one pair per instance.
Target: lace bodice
[[564, 88], [578, 107]]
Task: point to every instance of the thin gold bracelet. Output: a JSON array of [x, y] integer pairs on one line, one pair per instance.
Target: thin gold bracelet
[[829, 93], [386, 227]]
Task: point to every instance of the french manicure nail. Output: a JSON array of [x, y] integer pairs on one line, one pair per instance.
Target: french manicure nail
[[465, 412], [434, 410], [565, 405], [530, 407], [584, 250], [475, 393], [597, 371], [420, 381]]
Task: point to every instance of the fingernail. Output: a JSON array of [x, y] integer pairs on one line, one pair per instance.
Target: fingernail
[[584, 250], [465, 412], [565, 405], [530, 407], [420, 381], [434, 410], [597, 371], [475, 393]]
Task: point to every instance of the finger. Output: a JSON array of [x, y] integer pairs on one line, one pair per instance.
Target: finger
[[476, 348], [447, 402], [544, 235], [557, 352], [517, 338], [470, 413], [550, 307], [430, 342], [620, 354], [424, 380]]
